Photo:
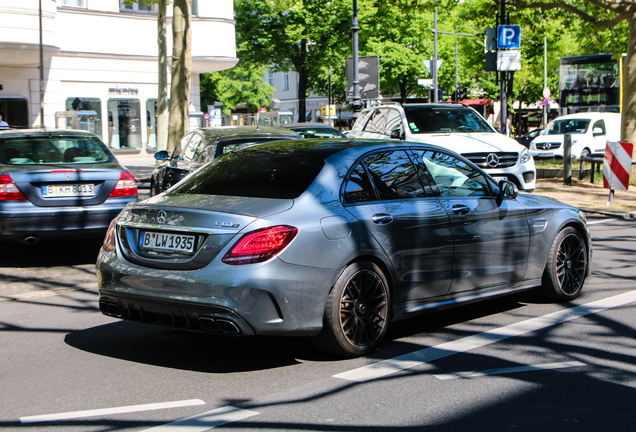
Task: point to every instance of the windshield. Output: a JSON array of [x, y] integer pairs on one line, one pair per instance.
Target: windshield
[[71, 149], [436, 119], [572, 126]]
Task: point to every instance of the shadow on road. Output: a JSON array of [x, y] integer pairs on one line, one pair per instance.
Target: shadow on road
[[49, 253]]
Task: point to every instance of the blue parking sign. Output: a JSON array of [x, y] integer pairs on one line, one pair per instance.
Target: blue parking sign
[[508, 36]]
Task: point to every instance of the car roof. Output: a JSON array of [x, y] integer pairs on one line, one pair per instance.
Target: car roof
[[327, 147], [307, 125], [223, 131], [16, 133], [588, 114]]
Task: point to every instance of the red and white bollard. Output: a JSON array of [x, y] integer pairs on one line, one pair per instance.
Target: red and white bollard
[[617, 167]]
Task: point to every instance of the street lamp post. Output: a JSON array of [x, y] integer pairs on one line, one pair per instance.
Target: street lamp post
[[356, 102], [41, 72]]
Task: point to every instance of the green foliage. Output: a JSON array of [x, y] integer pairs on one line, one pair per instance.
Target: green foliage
[[242, 83]]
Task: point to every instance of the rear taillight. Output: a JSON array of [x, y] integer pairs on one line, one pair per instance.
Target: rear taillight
[[126, 186], [8, 190], [109, 240], [260, 245]]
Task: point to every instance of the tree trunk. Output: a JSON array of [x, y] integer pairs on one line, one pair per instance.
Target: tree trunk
[[302, 96], [162, 102], [181, 65], [628, 129]]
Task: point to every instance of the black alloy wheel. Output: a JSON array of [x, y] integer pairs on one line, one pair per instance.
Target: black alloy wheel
[[357, 312], [567, 266]]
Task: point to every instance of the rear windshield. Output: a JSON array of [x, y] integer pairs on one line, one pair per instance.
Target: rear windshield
[[65, 150], [268, 171], [425, 119], [572, 126]]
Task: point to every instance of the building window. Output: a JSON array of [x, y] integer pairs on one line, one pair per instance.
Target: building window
[[124, 124], [270, 78], [138, 6], [15, 111], [285, 82], [74, 3], [89, 113]]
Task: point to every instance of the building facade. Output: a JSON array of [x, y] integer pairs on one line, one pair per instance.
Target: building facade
[[100, 60]]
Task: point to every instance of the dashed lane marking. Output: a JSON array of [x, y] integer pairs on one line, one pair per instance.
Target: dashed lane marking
[[205, 421], [418, 358], [502, 371], [110, 411]]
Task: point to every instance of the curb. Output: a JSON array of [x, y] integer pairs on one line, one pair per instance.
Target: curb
[[623, 215]]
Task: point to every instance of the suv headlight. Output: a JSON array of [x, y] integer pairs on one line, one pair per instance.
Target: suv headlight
[[525, 156]]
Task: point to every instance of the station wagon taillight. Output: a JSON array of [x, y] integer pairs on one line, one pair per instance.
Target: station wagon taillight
[[126, 186], [9, 190], [260, 245]]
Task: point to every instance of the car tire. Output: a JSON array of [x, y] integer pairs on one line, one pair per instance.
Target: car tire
[[566, 267], [357, 312], [585, 152]]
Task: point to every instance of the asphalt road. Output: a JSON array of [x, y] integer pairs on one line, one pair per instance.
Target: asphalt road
[[513, 364]]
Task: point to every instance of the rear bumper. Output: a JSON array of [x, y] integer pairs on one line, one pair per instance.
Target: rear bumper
[[21, 219], [271, 298]]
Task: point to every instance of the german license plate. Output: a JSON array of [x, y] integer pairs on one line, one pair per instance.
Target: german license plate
[[166, 242], [546, 154], [498, 179], [71, 190]]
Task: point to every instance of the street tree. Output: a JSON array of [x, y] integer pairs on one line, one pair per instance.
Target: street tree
[[242, 83], [605, 13], [181, 66], [293, 35]]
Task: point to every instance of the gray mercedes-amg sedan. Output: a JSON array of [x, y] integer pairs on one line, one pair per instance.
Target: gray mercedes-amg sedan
[[334, 240]]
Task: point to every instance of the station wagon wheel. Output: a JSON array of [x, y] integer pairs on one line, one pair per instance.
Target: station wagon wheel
[[566, 267], [356, 313]]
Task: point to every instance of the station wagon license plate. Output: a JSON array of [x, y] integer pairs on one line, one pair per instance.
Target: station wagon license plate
[[166, 242], [73, 190], [546, 154]]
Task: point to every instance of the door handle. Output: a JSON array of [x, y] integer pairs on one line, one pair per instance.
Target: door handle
[[461, 209], [382, 218]]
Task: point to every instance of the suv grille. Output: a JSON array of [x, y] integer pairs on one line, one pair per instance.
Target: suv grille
[[493, 160], [548, 146]]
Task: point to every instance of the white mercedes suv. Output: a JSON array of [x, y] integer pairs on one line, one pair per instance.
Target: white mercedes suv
[[455, 127]]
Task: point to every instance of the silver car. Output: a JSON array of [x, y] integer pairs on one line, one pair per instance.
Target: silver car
[[334, 240], [59, 184]]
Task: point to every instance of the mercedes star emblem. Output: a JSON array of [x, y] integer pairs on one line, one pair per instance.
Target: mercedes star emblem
[[162, 217], [492, 160], [547, 146]]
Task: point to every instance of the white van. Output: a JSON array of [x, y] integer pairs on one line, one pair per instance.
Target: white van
[[590, 133]]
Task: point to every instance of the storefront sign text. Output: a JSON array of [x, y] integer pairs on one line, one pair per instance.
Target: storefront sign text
[[123, 91]]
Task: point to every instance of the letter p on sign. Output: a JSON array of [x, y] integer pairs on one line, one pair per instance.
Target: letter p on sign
[[509, 37]]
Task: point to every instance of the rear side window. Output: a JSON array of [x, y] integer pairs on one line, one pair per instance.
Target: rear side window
[[275, 172], [61, 149], [391, 176]]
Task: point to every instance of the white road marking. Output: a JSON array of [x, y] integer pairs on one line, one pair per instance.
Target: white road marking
[[600, 221], [417, 358], [529, 368], [205, 421], [109, 411]]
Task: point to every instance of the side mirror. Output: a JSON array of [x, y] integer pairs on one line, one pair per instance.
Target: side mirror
[[397, 134], [598, 131], [162, 155], [507, 190]]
